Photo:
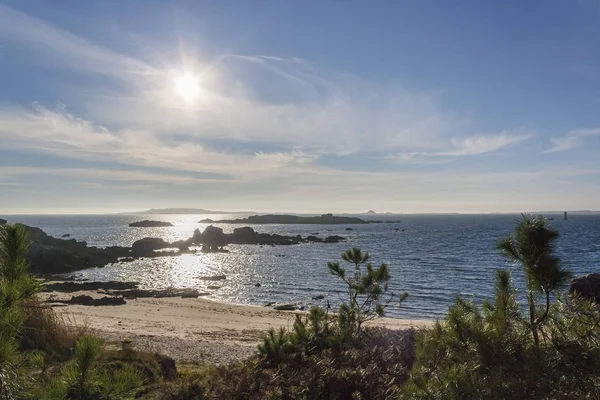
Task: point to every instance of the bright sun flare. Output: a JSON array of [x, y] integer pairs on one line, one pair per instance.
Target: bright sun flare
[[187, 87]]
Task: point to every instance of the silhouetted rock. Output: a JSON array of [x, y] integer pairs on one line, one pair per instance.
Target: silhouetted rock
[[69, 287], [325, 219], [168, 292], [85, 300], [214, 236], [145, 247], [206, 221], [349, 229], [257, 284], [319, 297], [587, 286], [3, 221], [213, 278], [211, 287], [126, 259], [66, 235], [334, 239], [150, 224], [244, 235], [51, 255]]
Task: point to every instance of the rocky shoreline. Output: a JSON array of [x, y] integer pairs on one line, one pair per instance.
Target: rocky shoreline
[[50, 255]]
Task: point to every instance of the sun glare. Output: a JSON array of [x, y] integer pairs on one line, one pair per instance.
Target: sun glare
[[188, 87]]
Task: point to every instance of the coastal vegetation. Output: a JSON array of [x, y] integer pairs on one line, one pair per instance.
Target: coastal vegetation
[[546, 347]]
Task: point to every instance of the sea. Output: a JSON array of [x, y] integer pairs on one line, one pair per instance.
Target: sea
[[435, 258]]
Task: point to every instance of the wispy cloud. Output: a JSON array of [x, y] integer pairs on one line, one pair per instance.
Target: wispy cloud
[[572, 139], [467, 146]]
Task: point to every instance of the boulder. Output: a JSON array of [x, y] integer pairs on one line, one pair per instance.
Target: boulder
[[145, 247], [69, 287], [150, 224], [244, 235], [214, 236], [213, 278], [206, 221], [349, 229], [334, 239], [85, 300], [587, 286], [319, 297], [3, 221], [66, 235]]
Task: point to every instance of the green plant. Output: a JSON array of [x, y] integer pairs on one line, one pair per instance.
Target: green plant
[[366, 290], [84, 379], [16, 286], [532, 246]]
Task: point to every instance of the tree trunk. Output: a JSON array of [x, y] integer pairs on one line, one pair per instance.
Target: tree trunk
[[534, 332]]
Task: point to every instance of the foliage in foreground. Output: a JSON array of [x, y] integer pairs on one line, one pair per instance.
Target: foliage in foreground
[[492, 351], [367, 298]]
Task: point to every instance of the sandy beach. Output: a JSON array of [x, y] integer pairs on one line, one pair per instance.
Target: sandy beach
[[189, 330]]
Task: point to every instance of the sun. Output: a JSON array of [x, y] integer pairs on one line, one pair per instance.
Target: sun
[[188, 87]]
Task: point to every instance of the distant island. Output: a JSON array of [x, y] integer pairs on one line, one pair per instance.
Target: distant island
[[150, 224], [186, 211], [325, 219]]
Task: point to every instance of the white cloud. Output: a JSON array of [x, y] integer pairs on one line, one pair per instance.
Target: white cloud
[[572, 139], [467, 146]]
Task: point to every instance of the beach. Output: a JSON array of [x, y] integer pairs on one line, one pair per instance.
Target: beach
[[188, 330]]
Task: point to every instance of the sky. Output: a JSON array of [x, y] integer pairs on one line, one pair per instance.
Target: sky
[[299, 106]]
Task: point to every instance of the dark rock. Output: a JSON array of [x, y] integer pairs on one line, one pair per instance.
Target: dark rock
[[587, 286], [349, 229], [3, 221], [313, 239], [85, 300], [168, 292], [206, 221], [334, 239], [168, 368], [315, 233], [258, 284], [150, 224], [212, 287], [269, 304], [213, 278], [319, 297], [69, 287], [66, 235], [145, 247], [126, 259], [286, 307], [214, 237], [244, 235]]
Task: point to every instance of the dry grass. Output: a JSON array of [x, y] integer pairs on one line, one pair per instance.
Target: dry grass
[[48, 331]]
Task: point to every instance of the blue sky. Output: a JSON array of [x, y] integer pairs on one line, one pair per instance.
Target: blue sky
[[306, 106]]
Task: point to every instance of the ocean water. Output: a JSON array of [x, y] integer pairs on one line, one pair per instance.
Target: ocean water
[[435, 258]]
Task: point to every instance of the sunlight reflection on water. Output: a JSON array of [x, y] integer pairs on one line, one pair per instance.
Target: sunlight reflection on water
[[435, 259]]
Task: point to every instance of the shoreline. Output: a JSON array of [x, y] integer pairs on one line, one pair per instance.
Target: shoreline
[[188, 330]]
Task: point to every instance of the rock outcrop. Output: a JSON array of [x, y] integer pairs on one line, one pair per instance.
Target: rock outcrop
[[3, 221], [49, 255], [150, 224], [587, 286]]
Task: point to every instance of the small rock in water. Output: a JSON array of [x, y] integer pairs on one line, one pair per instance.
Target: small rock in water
[[269, 304], [212, 287], [66, 235], [213, 278], [319, 297], [349, 229], [258, 284]]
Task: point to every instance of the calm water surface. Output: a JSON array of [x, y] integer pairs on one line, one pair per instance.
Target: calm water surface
[[436, 258]]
